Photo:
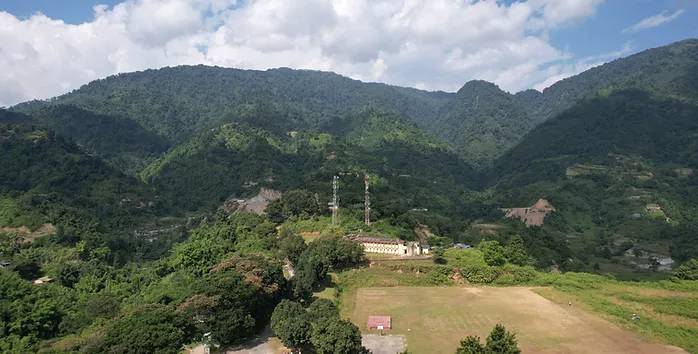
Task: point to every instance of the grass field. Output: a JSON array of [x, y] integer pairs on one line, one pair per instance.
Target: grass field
[[668, 309], [435, 319]]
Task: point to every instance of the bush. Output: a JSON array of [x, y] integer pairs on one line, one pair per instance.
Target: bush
[[688, 270], [493, 252], [500, 341]]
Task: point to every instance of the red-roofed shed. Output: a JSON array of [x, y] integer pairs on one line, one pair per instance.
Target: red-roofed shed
[[379, 322]]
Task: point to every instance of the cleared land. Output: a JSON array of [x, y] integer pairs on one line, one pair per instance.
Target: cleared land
[[435, 319]]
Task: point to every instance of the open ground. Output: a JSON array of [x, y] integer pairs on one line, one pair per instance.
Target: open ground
[[435, 319]]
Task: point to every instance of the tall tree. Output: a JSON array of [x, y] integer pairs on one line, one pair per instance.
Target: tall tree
[[516, 251], [290, 322], [337, 337], [501, 341], [493, 252], [470, 345]]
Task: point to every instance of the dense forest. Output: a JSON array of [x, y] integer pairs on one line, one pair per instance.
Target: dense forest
[[118, 194]]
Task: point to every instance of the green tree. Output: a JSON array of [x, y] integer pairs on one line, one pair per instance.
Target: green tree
[[688, 270], [493, 252], [28, 269], [516, 251], [104, 306], [290, 322], [300, 202], [292, 246], [310, 271], [470, 345], [68, 274], [438, 255], [500, 341], [148, 329], [337, 337], [239, 304], [275, 211], [322, 310]]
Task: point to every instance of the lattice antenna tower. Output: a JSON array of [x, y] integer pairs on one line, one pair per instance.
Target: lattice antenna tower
[[334, 204], [367, 202]]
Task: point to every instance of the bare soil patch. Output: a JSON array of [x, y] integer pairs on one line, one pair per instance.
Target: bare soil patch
[[27, 234]]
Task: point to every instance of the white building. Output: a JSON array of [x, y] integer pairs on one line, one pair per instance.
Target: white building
[[395, 247]]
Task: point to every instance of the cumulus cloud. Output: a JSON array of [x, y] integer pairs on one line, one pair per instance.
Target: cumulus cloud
[[654, 21], [572, 66], [438, 44]]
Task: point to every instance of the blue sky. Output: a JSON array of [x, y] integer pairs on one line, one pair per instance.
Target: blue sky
[[603, 32], [49, 47]]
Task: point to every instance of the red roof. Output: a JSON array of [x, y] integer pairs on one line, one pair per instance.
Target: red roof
[[375, 322], [382, 240]]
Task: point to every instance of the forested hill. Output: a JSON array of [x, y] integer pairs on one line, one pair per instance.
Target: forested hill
[[620, 168], [480, 121], [47, 180], [176, 102], [410, 168]]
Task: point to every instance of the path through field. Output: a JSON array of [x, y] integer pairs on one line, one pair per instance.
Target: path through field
[[435, 319]]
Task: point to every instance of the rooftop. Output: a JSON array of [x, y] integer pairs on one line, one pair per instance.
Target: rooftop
[[379, 322]]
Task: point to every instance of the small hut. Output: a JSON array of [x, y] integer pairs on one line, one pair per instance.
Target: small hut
[[379, 322]]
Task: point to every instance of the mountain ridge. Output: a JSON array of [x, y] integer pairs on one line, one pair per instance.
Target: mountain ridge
[[176, 102]]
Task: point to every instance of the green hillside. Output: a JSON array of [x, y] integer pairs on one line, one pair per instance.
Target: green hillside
[[408, 169], [176, 102], [120, 141], [480, 121], [620, 171]]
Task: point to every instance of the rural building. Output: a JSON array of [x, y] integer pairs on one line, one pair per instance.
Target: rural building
[[533, 215], [43, 280], [379, 322], [392, 246]]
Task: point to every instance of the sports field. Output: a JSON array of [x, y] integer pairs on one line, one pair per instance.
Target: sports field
[[435, 319]]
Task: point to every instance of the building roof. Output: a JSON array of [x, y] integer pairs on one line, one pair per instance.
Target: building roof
[[379, 321], [386, 241]]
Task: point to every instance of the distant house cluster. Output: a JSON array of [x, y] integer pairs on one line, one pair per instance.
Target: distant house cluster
[[533, 215], [390, 246]]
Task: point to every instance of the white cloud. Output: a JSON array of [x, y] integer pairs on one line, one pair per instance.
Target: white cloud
[[438, 44], [572, 66], [654, 21]]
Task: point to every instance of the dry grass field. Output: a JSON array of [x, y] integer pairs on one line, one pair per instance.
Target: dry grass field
[[435, 319]]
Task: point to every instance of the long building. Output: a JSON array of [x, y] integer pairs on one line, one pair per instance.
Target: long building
[[390, 246]]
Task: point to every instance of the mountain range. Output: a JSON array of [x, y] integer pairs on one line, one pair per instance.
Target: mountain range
[[604, 146]]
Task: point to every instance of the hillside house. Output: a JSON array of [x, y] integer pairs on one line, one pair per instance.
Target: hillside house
[[390, 246], [379, 322], [43, 280]]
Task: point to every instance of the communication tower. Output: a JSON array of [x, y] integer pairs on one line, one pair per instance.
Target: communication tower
[[367, 202], [334, 204]]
